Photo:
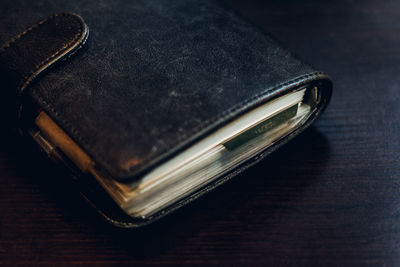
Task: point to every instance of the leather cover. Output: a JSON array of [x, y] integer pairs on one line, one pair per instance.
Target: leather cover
[[156, 77]]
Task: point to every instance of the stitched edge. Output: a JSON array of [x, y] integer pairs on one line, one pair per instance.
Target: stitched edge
[[14, 39], [67, 47], [45, 63], [181, 139]]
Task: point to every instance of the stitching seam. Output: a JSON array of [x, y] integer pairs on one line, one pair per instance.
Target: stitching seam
[[38, 68], [27, 79], [19, 36]]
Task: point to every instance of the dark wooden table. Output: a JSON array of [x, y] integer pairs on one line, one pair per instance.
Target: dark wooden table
[[330, 197]]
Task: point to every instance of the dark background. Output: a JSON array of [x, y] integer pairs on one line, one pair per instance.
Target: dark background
[[330, 197]]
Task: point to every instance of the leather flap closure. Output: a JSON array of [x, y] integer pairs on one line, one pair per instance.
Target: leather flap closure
[[28, 54]]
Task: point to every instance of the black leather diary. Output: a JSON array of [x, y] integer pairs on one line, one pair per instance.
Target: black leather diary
[[150, 104]]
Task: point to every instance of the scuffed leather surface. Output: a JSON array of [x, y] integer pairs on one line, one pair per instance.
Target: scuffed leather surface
[[157, 75]]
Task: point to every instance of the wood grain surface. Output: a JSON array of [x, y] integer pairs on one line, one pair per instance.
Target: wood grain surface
[[331, 197]]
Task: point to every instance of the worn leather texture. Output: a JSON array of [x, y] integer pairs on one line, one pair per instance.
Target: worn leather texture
[[156, 76]]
